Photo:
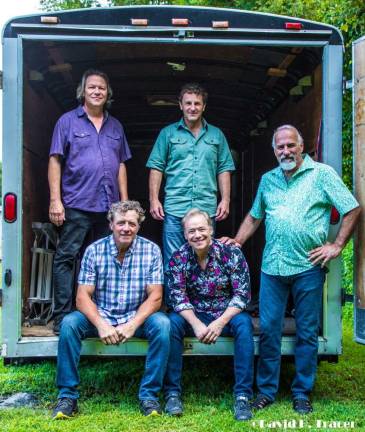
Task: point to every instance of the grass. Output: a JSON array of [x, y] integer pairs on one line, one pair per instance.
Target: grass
[[109, 403]]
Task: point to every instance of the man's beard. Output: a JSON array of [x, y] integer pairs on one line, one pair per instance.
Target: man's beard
[[287, 164]]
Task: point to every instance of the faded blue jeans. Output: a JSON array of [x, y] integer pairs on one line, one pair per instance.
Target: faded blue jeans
[[75, 327], [240, 327], [306, 289]]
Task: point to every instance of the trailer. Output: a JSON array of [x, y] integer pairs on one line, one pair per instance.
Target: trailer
[[260, 71]]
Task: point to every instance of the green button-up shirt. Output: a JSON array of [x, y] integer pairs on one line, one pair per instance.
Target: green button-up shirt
[[297, 214], [190, 165]]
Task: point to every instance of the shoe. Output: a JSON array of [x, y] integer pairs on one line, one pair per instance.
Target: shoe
[[150, 407], [261, 402], [174, 406], [242, 410], [302, 406], [65, 408]]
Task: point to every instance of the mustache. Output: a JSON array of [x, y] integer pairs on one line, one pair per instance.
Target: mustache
[[287, 158]]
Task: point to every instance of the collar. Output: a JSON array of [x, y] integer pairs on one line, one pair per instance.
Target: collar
[[114, 250], [181, 124], [307, 164], [212, 251], [81, 112]]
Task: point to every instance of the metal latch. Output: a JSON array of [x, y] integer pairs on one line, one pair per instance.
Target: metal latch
[[182, 34], [1, 297]]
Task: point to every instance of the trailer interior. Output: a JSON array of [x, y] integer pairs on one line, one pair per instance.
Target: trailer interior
[[252, 90]]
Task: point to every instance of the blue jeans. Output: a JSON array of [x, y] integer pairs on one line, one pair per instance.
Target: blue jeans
[[75, 327], [306, 289], [240, 327], [74, 230]]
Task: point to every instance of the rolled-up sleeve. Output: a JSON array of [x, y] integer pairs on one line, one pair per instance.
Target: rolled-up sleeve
[[176, 285], [155, 276], [88, 274], [258, 207], [225, 160], [159, 154], [240, 280]]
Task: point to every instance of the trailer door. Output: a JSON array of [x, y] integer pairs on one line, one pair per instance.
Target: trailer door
[[358, 79]]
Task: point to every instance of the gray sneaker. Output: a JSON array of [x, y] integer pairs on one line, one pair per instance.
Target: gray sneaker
[[174, 406], [242, 410]]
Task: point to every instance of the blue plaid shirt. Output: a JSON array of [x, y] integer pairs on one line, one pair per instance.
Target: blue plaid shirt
[[120, 287]]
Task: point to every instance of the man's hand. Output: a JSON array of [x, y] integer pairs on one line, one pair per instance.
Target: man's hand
[[126, 331], [156, 210], [108, 334], [222, 210], [214, 330], [200, 330], [229, 241], [56, 212], [323, 254]]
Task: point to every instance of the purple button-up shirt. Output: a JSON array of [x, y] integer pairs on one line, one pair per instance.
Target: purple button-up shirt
[[91, 160]]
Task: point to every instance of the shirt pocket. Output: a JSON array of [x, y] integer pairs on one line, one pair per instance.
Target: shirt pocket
[[81, 141], [179, 148], [210, 148], [113, 140]]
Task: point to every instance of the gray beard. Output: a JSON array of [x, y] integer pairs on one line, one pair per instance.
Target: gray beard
[[287, 166]]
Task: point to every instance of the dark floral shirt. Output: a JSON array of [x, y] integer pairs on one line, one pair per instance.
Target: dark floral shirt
[[224, 283]]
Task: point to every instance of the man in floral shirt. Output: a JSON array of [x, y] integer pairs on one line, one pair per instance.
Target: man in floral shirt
[[209, 288]]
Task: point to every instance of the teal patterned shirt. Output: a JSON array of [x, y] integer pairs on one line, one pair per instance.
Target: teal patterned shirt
[[297, 214], [190, 165]]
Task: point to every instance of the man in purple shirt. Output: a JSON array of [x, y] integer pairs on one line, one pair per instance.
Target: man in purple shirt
[[209, 288], [86, 174]]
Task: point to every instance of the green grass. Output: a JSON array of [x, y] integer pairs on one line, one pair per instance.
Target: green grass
[[109, 388]]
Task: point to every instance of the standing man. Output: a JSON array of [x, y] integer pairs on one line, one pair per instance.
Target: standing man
[[86, 174], [191, 154], [209, 286], [296, 200], [119, 295]]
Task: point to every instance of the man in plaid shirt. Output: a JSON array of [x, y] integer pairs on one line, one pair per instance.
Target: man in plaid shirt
[[118, 297]]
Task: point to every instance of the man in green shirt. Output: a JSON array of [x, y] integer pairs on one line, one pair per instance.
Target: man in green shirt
[[192, 155], [295, 199]]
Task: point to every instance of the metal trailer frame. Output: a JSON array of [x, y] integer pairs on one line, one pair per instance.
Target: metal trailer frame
[[15, 346]]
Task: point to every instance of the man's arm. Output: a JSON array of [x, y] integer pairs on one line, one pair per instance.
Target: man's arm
[[224, 184], [122, 182], [84, 303], [323, 254], [56, 209], [156, 208], [246, 230], [148, 307], [199, 328], [215, 328]]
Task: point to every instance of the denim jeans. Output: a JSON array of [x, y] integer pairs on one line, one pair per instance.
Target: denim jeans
[[75, 327], [240, 327], [306, 289], [73, 233]]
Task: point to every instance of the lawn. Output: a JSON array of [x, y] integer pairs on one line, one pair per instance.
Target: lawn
[[109, 402]]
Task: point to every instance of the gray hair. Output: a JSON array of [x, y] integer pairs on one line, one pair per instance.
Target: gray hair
[[80, 92], [195, 212], [288, 127], [121, 207]]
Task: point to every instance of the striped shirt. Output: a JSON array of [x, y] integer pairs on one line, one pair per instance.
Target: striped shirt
[[120, 287]]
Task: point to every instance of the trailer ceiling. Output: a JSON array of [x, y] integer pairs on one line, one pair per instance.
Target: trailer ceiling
[[243, 82]]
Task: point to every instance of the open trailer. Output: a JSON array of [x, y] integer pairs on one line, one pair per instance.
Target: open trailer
[[260, 70]]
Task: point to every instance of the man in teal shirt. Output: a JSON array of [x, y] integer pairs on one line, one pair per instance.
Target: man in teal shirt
[[295, 199], [192, 155]]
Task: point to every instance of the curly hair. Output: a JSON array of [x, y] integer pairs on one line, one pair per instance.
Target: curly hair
[[124, 206]]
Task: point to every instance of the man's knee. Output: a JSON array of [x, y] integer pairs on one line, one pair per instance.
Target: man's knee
[[177, 323], [242, 324], [159, 324], [71, 324]]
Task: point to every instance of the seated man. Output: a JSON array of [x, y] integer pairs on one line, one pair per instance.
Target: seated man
[[119, 294], [209, 289]]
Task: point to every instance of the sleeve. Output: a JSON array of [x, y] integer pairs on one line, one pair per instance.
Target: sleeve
[[258, 207], [125, 152], [336, 191], [59, 139], [155, 276], [225, 160], [87, 274], [240, 280], [159, 154], [176, 284]]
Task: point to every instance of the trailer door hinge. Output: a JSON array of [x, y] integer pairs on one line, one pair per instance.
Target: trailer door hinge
[[1, 297], [346, 298], [1, 80], [347, 85], [3, 350]]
